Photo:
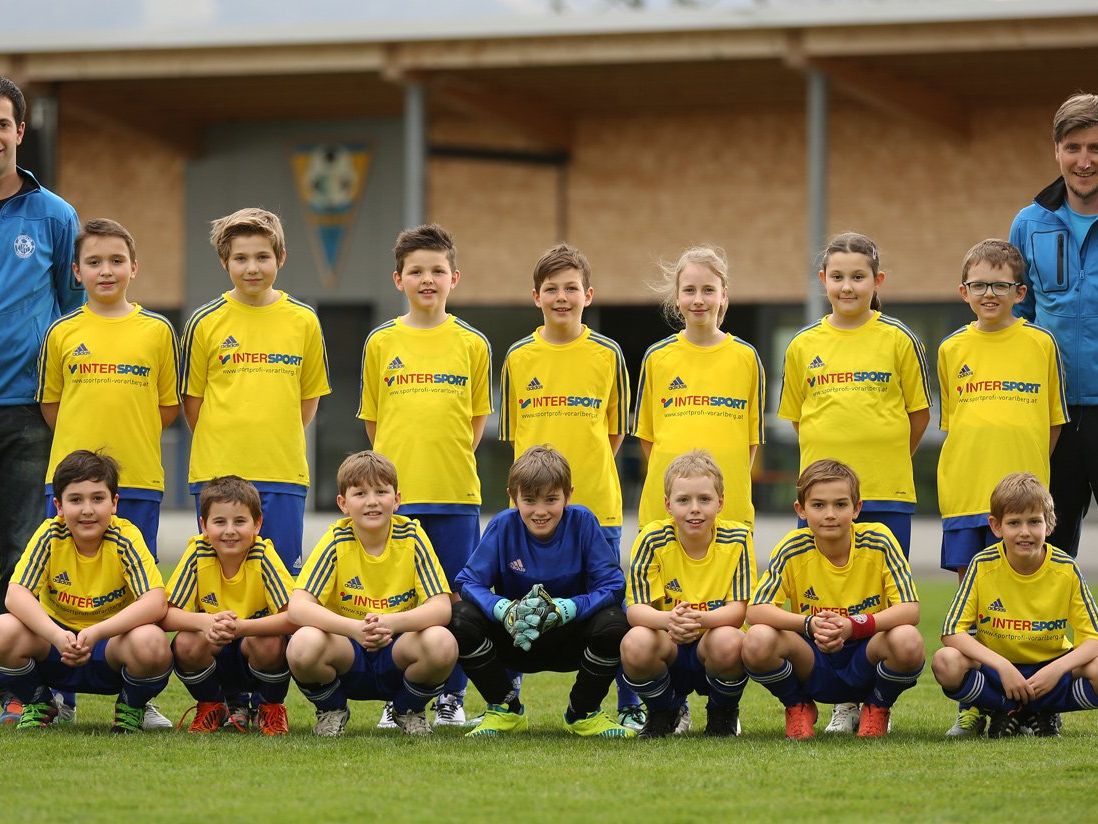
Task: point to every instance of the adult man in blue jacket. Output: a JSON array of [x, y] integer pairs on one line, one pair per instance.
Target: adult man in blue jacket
[[1057, 237]]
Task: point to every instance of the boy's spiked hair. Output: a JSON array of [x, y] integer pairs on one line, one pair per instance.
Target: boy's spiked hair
[[247, 222], [538, 471], [827, 470], [999, 254], [85, 465], [12, 92], [429, 236], [561, 257], [364, 469], [230, 489], [1021, 492], [697, 463], [105, 227]]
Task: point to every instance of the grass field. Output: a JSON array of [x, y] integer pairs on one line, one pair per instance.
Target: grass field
[[83, 773]]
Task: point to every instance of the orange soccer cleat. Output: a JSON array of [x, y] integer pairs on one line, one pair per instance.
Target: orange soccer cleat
[[799, 720], [272, 719], [873, 722], [208, 716]]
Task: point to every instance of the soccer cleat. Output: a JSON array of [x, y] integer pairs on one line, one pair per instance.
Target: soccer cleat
[[412, 722], [633, 717], [597, 724], [208, 716], [499, 720], [386, 721], [35, 716], [970, 723], [271, 719], [682, 724], [844, 719], [723, 722], [1003, 725], [873, 722], [1043, 724], [449, 711], [127, 719], [331, 723], [12, 709], [154, 719], [66, 712], [660, 723], [238, 719], [799, 720]]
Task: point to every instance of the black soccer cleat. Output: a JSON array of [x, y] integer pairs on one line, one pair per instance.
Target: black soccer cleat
[[722, 722], [1003, 725], [1044, 725], [660, 723]]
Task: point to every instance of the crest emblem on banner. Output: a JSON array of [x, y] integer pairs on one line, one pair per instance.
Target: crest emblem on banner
[[330, 178]]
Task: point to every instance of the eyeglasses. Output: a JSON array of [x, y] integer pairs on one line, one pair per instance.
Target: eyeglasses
[[999, 288]]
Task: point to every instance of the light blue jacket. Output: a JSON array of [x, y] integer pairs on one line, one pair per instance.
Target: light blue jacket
[[1063, 288], [37, 236]]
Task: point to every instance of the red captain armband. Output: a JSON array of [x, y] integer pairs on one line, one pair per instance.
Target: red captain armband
[[863, 625]]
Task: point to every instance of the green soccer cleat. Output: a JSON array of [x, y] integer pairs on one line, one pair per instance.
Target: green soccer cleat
[[597, 724], [970, 723], [498, 720], [127, 719], [36, 716]]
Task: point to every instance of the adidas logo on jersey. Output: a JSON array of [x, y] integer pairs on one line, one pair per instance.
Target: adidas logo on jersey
[[354, 583], [210, 598], [534, 384], [811, 595], [80, 350], [395, 363], [817, 363], [678, 383], [965, 372], [62, 578], [996, 606], [229, 343], [517, 565], [673, 585]]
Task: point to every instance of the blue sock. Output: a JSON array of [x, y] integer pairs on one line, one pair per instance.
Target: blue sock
[[203, 685], [977, 691], [1083, 694], [782, 683], [723, 693], [658, 694], [414, 697], [890, 684], [25, 683], [139, 691], [271, 686], [457, 683], [325, 697], [627, 696]]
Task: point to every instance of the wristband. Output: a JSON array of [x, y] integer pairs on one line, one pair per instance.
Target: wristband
[[808, 626], [863, 625]]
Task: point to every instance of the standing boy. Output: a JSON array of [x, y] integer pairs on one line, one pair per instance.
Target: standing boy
[[254, 369], [426, 392], [542, 592], [850, 633], [567, 386], [84, 603], [372, 603], [120, 361], [1021, 595]]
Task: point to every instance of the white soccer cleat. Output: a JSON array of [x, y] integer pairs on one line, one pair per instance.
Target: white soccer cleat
[[386, 721], [153, 720], [449, 711], [331, 723], [682, 723], [844, 719]]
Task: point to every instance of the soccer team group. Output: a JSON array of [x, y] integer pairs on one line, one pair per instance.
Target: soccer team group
[[403, 600]]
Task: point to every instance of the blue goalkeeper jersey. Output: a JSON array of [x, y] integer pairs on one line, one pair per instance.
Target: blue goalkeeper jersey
[[576, 563]]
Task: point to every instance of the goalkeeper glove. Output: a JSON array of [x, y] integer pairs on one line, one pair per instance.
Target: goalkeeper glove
[[565, 609]]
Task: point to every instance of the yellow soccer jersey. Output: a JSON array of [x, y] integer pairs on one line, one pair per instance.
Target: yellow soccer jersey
[[260, 587], [701, 396], [1024, 618], [252, 366], [349, 582], [110, 376], [1001, 392], [663, 575], [79, 591], [851, 391], [875, 577], [572, 396], [423, 387]]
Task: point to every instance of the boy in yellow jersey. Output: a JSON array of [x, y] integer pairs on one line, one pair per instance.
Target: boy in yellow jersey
[[850, 633], [121, 361], [1021, 595], [372, 603], [83, 604], [690, 578], [254, 369], [227, 603], [426, 393], [567, 386]]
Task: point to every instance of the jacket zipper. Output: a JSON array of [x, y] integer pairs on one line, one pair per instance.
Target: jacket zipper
[[1059, 260]]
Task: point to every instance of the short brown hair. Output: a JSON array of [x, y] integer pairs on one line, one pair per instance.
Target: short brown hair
[[1080, 111], [697, 463], [538, 471], [999, 254], [827, 470], [558, 259], [230, 489], [248, 222], [12, 92], [105, 227], [429, 236], [85, 465], [1021, 492], [364, 469]]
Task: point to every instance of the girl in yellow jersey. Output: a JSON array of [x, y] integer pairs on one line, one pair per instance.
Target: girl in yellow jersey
[[700, 387]]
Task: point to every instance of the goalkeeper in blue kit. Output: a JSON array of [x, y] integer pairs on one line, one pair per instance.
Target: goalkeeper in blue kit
[[542, 592]]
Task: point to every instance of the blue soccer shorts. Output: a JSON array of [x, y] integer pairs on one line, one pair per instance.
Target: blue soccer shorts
[[373, 675], [843, 676], [96, 676], [959, 546]]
